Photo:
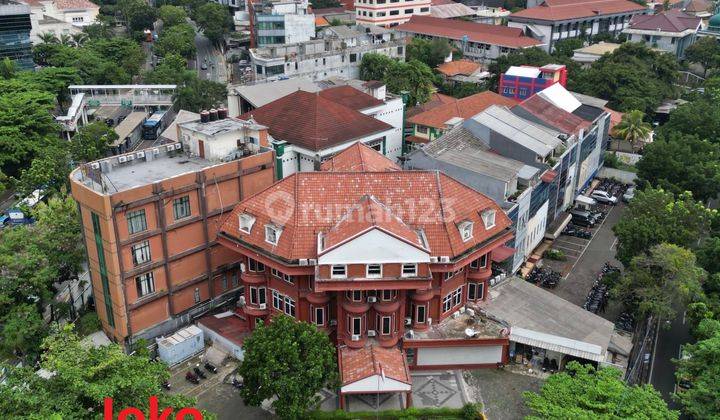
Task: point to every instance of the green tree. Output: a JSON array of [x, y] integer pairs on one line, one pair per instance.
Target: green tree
[[7, 68], [681, 163], [705, 51], [702, 369], [214, 20], [290, 361], [661, 281], [49, 170], [172, 15], [655, 216], [700, 118], [119, 51], [414, 77], [198, 94], [171, 70], [708, 255], [82, 376], [374, 66], [23, 329], [92, 142], [179, 40], [430, 52], [633, 128], [54, 80], [138, 14], [582, 392], [566, 47]]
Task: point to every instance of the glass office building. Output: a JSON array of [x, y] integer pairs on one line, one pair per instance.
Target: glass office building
[[15, 35]]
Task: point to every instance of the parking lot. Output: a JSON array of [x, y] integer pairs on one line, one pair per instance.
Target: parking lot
[[585, 259]]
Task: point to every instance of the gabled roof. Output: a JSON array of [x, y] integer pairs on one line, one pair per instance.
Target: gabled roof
[[75, 4], [475, 32], [453, 68], [307, 203], [314, 122], [697, 6], [436, 99], [369, 214], [463, 108], [358, 364], [670, 21], [554, 10], [359, 158], [264, 93], [449, 10], [535, 137], [350, 97], [552, 115]]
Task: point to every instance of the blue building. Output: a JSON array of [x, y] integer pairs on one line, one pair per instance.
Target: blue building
[[15, 35]]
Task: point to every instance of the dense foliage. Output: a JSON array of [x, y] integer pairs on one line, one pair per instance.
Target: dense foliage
[[290, 361], [413, 77]]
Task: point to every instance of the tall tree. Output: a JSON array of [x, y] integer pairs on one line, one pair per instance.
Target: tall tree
[[82, 376], [178, 39], [214, 20], [198, 94], [290, 361], [92, 142], [171, 70], [700, 118], [172, 15], [374, 66], [679, 163], [582, 392], [702, 369], [412, 76], [655, 216], [659, 283], [705, 51], [633, 128], [430, 52]]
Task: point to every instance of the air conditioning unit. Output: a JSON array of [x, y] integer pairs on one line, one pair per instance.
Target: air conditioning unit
[[333, 322], [140, 155], [470, 312], [410, 334], [130, 157], [355, 337], [429, 322], [433, 259], [455, 314], [408, 321], [372, 299], [241, 301], [242, 267], [170, 147], [122, 159], [371, 333], [445, 259], [263, 306], [178, 146], [156, 151], [95, 165], [303, 261]]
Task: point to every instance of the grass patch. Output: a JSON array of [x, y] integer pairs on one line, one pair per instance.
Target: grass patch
[[467, 412]]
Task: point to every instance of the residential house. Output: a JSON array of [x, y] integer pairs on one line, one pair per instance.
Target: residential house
[[448, 9], [590, 54], [477, 41], [671, 31], [389, 13], [491, 12], [431, 124], [552, 20], [463, 71], [699, 8], [60, 17]]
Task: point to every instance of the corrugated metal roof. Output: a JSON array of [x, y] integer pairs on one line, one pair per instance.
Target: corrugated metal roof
[[264, 93], [128, 125], [557, 344], [557, 95], [459, 147], [519, 130]]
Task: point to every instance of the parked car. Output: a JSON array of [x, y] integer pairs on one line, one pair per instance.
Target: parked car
[[604, 197], [629, 194], [582, 218], [203, 66]]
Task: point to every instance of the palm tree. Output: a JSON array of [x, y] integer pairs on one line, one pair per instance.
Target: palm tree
[[633, 129], [66, 39], [48, 38], [79, 38]]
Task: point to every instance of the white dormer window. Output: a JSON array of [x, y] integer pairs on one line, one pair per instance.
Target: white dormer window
[[466, 230], [272, 234], [338, 271], [488, 217], [246, 222], [374, 271]]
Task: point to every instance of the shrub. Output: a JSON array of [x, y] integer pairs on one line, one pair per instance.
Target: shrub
[[555, 254]]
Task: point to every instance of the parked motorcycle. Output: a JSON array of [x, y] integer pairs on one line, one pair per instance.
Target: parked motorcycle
[[192, 378], [237, 383], [166, 385], [199, 372], [210, 368]]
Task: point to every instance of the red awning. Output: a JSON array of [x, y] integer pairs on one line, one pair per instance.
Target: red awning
[[548, 176], [502, 253]]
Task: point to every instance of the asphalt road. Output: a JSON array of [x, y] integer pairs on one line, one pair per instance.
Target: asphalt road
[[208, 54], [667, 347]]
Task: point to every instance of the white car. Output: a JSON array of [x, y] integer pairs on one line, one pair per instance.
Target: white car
[[604, 197], [629, 194]]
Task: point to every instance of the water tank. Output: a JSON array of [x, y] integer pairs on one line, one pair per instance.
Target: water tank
[[204, 116], [222, 113], [213, 114]]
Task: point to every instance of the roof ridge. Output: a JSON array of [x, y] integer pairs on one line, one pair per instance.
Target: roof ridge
[[442, 210]]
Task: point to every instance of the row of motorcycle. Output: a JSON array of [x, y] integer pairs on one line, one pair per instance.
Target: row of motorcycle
[[597, 298], [614, 188], [194, 376], [544, 277]]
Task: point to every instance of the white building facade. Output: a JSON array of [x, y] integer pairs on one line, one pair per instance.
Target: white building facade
[[389, 13]]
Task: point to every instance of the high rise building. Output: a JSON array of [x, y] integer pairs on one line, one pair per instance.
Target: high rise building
[[15, 29]]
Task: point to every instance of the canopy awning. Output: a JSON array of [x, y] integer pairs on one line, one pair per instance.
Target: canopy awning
[[582, 199], [502, 253], [558, 344]]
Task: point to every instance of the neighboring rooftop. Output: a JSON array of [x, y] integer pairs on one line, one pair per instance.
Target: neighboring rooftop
[[264, 93], [128, 125], [599, 49], [436, 99], [450, 10], [528, 307], [463, 67], [369, 361], [464, 108], [75, 4], [212, 128], [552, 115], [673, 21], [350, 97], [698, 7], [313, 122], [556, 10], [460, 327], [171, 132], [359, 158], [540, 140], [460, 148], [474, 32]]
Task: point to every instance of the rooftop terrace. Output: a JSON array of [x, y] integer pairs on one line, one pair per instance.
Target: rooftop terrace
[[468, 324]]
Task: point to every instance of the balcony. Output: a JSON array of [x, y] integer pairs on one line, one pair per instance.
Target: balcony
[[423, 295], [318, 298], [347, 338], [355, 307], [481, 274], [254, 310], [388, 340], [386, 307], [250, 277]]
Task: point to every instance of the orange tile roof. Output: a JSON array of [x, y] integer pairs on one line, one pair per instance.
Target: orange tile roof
[[314, 122], [369, 214], [320, 21], [475, 32], [453, 68], [553, 10], [307, 203], [615, 117], [464, 108], [436, 99], [358, 364], [350, 97], [75, 4], [359, 158]]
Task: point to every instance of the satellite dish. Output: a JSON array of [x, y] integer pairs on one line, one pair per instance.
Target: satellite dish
[[470, 332]]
